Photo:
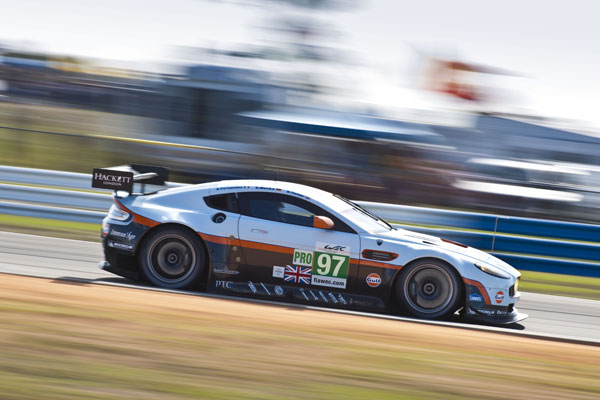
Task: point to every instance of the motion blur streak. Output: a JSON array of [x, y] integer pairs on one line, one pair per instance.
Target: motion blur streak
[[279, 108]]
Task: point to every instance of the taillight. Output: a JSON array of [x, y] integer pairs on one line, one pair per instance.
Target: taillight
[[117, 214]]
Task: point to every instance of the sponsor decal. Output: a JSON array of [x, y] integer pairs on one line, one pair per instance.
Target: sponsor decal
[[312, 294], [297, 194], [373, 280], [278, 291], [124, 235], [225, 270], [332, 297], [233, 188], [475, 298], [499, 297], [339, 283], [342, 299], [224, 284], [265, 288], [304, 294], [323, 297], [304, 258], [118, 245], [330, 265], [252, 287], [278, 272], [491, 312], [110, 179], [332, 248], [297, 274]]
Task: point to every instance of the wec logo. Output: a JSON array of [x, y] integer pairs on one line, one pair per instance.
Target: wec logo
[[334, 248]]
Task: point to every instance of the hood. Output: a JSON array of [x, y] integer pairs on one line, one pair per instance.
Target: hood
[[450, 246]]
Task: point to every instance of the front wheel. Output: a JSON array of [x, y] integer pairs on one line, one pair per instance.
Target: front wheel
[[172, 258], [428, 289]]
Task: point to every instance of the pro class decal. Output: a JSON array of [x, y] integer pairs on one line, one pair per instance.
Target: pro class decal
[[373, 280], [304, 258]]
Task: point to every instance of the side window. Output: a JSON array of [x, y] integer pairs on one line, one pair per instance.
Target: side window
[[286, 209], [276, 209], [224, 202]]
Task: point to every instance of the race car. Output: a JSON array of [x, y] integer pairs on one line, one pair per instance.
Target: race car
[[290, 242]]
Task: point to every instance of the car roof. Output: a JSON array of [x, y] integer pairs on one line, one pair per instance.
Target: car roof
[[260, 185]]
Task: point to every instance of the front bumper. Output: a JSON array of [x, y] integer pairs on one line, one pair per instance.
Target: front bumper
[[491, 305], [494, 315]]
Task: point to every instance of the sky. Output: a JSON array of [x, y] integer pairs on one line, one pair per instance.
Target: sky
[[551, 47]]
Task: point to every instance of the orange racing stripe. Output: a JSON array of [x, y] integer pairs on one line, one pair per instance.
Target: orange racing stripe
[[369, 263], [282, 249], [479, 286], [136, 217]]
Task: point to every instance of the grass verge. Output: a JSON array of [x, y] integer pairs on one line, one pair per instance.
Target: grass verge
[[50, 227], [61, 340], [560, 285]]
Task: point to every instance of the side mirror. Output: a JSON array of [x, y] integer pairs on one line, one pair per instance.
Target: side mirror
[[322, 222]]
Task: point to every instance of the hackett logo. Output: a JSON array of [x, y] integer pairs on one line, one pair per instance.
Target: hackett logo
[[112, 178], [109, 179]]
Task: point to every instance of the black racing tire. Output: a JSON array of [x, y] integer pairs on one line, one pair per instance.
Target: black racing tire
[[428, 289], [173, 258]]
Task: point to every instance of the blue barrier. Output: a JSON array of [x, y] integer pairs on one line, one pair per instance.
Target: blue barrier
[[549, 229], [530, 263], [526, 243]]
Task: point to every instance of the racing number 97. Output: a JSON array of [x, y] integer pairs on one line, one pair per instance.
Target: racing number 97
[[325, 261]]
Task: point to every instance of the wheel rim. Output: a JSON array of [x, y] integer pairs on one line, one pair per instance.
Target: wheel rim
[[429, 288], [171, 259]]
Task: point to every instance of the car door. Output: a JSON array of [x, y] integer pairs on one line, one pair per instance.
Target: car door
[[220, 235], [282, 247]]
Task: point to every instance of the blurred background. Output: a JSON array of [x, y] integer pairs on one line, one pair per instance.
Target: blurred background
[[458, 105]]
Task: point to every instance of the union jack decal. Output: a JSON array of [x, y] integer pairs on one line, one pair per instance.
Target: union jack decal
[[297, 274]]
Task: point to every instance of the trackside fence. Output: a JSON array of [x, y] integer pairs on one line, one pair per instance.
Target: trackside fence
[[526, 243]]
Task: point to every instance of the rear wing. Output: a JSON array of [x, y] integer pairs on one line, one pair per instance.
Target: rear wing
[[123, 178]]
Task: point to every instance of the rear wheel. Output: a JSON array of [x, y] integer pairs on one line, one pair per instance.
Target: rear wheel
[[172, 258], [428, 289]]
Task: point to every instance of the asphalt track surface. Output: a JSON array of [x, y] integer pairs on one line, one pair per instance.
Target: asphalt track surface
[[561, 318]]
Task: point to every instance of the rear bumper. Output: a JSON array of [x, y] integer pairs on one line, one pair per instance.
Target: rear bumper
[[119, 262], [133, 275]]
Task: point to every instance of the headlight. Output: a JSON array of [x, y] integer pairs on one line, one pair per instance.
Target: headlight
[[116, 213], [491, 270]]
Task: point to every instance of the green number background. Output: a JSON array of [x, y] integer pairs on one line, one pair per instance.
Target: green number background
[[343, 271]]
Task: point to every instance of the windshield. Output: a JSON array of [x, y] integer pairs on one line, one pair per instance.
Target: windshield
[[363, 218]]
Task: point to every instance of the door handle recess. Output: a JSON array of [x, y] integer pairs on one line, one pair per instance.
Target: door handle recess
[[255, 230]]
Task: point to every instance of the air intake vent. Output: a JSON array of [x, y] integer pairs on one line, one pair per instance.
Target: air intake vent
[[379, 255], [454, 243]]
